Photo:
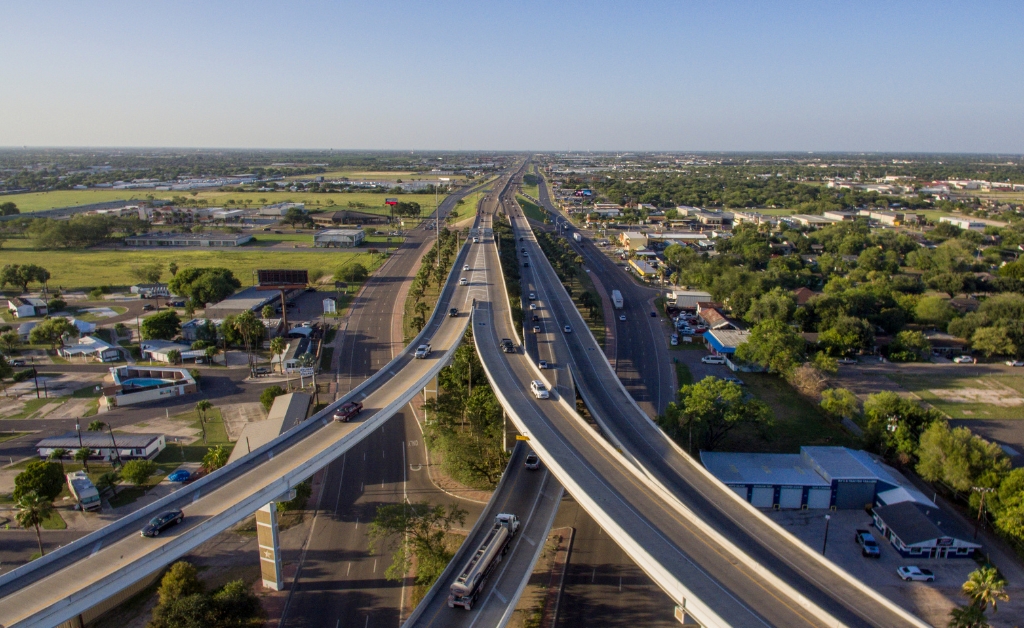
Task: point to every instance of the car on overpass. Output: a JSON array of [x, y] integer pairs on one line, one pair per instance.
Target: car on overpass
[[162, 521], [348, 411], [540, 391], [532, 461]]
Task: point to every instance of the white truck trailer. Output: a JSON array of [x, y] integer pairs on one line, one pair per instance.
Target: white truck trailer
[[470, 581], [576, 236], [82, 489], [617, 299]]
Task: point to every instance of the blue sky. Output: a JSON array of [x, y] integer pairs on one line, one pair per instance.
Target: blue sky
[[684, 75]]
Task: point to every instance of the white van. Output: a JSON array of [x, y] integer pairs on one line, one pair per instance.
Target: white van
[[713, 359]]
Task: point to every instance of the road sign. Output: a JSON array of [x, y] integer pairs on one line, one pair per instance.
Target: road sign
[[306, 371], [521, 437], [329, 306], [391, 201]]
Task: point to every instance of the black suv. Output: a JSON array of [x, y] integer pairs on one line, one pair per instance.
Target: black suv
[[507, 346], [453, 312]]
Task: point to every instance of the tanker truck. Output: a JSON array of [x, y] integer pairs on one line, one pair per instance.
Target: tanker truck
[[473, 576]]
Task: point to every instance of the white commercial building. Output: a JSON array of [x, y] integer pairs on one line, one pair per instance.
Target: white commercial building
[[339, 238]]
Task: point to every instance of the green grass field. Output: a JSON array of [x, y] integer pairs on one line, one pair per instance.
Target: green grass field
[[376, 175], [798, 422], [85, 269], [38, 201], [963, 397], [531, 209]]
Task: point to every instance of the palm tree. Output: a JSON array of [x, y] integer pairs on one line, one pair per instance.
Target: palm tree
[[97, 426], [58, 455], [985, 586], [202, 407], [82, 455], [277, 347], [108, 480], [969, 616], [33, 510]]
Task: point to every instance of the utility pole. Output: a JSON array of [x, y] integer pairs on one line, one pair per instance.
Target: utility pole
[[825, 543]]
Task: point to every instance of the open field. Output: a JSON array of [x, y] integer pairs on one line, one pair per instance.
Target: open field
[[377, 175], [961, 396], [84, 269], [38, 201], [798, 422]]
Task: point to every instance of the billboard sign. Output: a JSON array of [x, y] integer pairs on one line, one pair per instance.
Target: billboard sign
[[282, 277], [391, 201]]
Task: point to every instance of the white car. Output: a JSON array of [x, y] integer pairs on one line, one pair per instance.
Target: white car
[[567, 329], [847, 360], [910, 572], [713, 359], [674, 340], [476, 240], [532, 296], [465, 267], [1015, 363], [533, 306], [963, 359], [622, 317], [463, 282], [539, 390]]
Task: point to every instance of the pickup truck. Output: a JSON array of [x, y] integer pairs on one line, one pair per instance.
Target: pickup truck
[[347, 411], [422, 351], [868, 545]]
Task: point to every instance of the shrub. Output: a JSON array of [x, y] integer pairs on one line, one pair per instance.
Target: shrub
[[269, 394]]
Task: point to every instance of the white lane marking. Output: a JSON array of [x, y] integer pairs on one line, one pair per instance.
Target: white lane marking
[[374, 565], [357, 523], [347, 572], [530, 541], [501, 597]]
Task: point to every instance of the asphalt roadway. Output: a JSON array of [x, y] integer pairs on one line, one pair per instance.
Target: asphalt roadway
[[747, 591], [339, 579]]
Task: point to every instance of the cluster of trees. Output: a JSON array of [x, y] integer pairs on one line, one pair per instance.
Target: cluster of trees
[[82, 230], [709, 410], [185, 602], [434, 269], [204, 285], [21, 275], [510, 269], [9, 209], [466, 423], [882, 290], [418, 530], [568, 265], [985, 586], [408, 208]]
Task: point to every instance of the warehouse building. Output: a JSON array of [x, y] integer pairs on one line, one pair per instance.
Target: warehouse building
[[200, 240], [349, 217], [339, 238], [816, 478], [919, 530]]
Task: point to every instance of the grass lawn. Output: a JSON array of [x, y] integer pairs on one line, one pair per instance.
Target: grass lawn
[[85, 269], [54, 522], [363, 201], [32, 406], [963, 397], [797, 421], [531, 185], [326, 355], [683, 375], [375, 175], [530, 209], [6, 436], [174, 454]]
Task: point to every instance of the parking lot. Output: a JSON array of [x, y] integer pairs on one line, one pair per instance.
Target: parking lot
[[930, 601]]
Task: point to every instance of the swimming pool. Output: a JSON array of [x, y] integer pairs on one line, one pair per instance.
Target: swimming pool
[[141, 382]]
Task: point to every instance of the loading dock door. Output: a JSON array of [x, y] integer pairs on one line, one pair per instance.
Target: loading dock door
[[819, 497], [740, 490], [791, 497], [763, 497]]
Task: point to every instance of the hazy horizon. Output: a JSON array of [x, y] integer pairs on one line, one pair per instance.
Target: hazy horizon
[[740, 77]]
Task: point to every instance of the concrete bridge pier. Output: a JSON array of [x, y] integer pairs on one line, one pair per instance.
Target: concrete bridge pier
[[430, 391], [269, 547]]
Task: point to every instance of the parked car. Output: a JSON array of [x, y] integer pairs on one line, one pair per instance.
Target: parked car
[[964, 359], [532, 461], [868, 545], [148, 307], [261, 370], [348, 411], [911, 572], [17, 362], [713, 359], [847, 360], [162, 521], [539, 390], [453, 312], [1015, 363], [181, 475], [734, 380], [674, 340]]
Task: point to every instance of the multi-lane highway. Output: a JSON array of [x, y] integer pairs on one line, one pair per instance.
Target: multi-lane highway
[[59, 586], [340, 579], [772, 580]]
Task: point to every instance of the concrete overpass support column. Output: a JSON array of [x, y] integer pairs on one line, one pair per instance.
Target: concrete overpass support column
[[429, 392], [270, 550]]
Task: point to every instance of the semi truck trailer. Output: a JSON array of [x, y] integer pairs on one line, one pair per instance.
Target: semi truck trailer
[[576, 236], [471, 580]]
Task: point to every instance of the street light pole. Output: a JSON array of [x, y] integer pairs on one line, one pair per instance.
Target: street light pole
[[825, 542]]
